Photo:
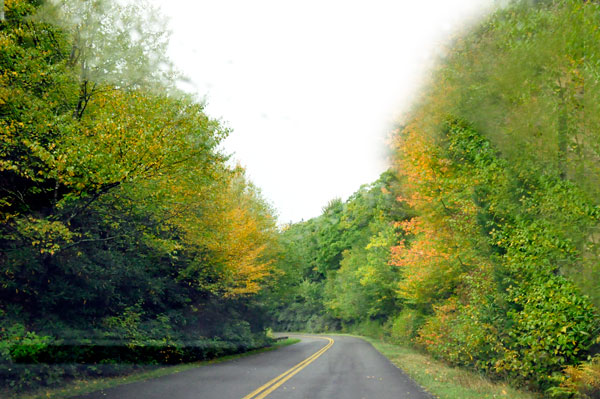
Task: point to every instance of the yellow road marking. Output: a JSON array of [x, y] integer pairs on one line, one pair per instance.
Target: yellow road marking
[[263, 391]]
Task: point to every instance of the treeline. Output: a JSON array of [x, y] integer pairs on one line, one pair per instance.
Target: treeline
[[122, 223], [334, 269], [486, 254]]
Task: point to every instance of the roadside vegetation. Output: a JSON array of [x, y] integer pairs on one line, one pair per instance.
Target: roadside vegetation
[[480, 245], [126, 238], [444, 381], [83, 386]]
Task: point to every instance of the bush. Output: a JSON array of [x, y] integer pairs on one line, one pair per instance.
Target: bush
[[30, 361], [403, 327], [369, 328], [584, 380], [555, 327]]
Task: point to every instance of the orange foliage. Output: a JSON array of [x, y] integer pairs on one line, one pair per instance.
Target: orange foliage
[[440, 246]]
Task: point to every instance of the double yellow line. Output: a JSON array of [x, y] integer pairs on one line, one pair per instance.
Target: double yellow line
[[276, 382]]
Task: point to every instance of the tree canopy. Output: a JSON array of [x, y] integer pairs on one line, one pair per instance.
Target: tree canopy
[[121, 218], [487, 254]]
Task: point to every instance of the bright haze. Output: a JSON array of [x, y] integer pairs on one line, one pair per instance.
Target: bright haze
[[309, 88]]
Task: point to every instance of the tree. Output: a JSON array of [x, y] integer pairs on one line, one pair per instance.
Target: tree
[[124, 221], [113, 46]]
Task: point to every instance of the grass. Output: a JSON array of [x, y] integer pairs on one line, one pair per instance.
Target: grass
[[81, 387], [443, 381]]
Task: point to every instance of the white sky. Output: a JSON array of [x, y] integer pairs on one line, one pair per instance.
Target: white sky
[[310, 88]]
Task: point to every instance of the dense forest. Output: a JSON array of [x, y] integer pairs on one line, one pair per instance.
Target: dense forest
[[334, 270], [481, 244], [123, 225], [128, 236]]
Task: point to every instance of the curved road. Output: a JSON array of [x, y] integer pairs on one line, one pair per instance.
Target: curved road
[[318, 367]]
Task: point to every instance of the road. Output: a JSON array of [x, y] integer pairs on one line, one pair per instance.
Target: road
[[318, 367]]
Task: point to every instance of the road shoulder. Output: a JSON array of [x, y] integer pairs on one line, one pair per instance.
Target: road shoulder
[[442, 380]]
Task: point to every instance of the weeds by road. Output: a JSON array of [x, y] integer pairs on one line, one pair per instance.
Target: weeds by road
[[444, 381]]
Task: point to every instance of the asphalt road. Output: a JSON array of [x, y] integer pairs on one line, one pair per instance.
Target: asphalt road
[[318, 367]]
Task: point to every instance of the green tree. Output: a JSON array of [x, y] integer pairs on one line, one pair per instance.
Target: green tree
[[124, 221]]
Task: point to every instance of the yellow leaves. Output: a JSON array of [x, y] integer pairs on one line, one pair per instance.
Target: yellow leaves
[[220, 218], [9, 4], [47, 236], [244, 248]]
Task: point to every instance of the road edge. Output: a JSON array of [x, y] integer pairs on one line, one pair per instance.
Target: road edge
[[82, 387], [449, 376]]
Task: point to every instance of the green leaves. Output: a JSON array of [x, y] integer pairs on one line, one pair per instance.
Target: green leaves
[[336, 267], [509, 313], [119, 216]]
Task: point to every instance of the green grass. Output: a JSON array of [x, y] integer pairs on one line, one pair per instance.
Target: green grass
[[443, 381], [81, 387]]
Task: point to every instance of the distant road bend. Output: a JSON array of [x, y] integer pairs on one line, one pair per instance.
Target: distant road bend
[[318, 367]]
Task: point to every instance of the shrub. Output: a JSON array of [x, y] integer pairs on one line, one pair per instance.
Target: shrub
[[584, 379], [403, 327]]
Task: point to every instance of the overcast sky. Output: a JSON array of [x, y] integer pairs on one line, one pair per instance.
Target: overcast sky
[[310, 88]]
